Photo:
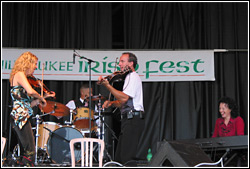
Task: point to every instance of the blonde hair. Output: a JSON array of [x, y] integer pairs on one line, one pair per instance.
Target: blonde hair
[[22, 64]]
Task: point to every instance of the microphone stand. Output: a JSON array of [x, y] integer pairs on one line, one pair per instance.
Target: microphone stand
[[90, 88]]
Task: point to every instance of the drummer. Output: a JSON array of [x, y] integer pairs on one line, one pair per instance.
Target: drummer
[[82, 101]]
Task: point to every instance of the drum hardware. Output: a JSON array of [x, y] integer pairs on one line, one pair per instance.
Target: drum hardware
[[37, 117], [113, 139], [70, 122], [37, 135], [52, 108], [101, 127], [96, 98]]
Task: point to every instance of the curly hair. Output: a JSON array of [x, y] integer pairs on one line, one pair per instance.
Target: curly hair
[[231, 105], [22, 64]]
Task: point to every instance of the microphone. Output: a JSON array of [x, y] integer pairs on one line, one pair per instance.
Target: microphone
[[74, 57]]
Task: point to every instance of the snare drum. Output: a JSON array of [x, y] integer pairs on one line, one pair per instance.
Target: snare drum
[[81, 119], [58, 145], [44, 133]]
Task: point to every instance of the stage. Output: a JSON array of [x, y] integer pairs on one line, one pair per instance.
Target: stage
[[14, 162], [179, 153]]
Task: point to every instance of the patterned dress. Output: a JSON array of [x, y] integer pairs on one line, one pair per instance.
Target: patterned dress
[[21, 106]]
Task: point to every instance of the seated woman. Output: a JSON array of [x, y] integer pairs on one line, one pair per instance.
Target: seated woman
[[230, 123]]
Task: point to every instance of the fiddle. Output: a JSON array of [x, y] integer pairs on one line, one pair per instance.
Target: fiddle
[[117, 76], [37, 85]]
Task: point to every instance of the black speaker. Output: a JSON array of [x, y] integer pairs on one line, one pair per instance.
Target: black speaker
[[178, 154]]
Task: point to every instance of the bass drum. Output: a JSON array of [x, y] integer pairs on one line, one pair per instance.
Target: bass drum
[[44, 133], [58, 145]]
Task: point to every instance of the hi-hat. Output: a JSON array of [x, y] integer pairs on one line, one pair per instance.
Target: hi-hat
[[55, 109], [97, 97]]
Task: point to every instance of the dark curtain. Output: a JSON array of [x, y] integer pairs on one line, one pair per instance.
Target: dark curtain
[[174, 110], [188, 110]]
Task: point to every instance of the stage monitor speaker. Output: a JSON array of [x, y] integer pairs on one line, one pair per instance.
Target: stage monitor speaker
[[178, 154]]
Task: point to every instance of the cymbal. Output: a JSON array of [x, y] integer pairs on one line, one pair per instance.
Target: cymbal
[[97, 97], [55, 109]]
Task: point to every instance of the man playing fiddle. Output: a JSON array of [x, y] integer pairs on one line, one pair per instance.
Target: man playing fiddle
[[130, 102], [24, 97]]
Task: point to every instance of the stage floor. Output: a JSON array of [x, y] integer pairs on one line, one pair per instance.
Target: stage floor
[[14, 162]]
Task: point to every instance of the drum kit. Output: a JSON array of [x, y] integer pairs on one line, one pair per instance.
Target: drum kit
[[53, 139]]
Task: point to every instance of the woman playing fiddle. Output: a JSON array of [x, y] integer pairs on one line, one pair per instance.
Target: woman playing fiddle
[[24, 97]]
